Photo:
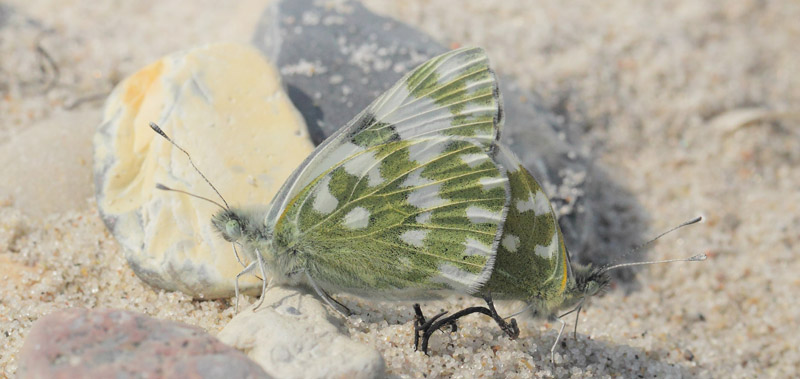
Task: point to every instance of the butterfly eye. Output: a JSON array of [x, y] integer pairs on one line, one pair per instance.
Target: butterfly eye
[[592, 288], [232, 228]]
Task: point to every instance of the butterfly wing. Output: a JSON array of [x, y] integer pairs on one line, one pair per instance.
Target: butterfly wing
[[412, 216], [453, 94], [532, 261], [406, 197]]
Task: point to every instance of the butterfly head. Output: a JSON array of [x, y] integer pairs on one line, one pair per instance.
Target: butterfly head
[[239, 225], [228, 223], [584, 281], [589, 280]]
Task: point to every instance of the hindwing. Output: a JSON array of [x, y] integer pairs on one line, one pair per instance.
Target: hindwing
[[532, 260]]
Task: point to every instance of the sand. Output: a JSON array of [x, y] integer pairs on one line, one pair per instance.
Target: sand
[[692, 107]]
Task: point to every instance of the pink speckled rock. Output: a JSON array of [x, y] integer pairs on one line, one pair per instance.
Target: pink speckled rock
[[79, 343]]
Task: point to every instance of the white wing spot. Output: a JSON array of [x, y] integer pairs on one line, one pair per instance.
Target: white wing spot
[[426, 151], [478, 215], [474, 160], [527, 204], [456, 277], [415, 179], [325, 162], [362, 164], [489, 183], [510, 242], [414, 237], [542, 203], [539, 204], [374, 176], [548, 251], [475, 247], [426, 197], [324, 201], [424, 217], [357, 218]]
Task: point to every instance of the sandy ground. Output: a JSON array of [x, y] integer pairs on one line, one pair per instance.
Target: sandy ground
[[692, 106]]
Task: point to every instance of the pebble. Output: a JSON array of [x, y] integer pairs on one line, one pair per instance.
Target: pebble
[[63, 145], [293, 335], [222, 103], [104, 343]]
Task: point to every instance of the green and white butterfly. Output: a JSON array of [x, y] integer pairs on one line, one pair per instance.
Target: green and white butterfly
[[404, 201], [413, 197]]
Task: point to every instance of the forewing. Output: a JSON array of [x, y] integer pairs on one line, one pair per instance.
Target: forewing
[[453, 95], [409, 216], [531, 260]]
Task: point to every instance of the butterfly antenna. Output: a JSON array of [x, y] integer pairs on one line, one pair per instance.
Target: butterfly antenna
[[165, 188], [160, 132], [650, 242], [696, 258]]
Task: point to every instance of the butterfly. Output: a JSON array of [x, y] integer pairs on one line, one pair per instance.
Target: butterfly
[[404, 201], [414, 197]]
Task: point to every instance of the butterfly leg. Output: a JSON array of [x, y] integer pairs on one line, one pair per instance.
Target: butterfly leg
[[529, 306], [558, 338], [510, 328], [324, 295], [347, 310], [419, 320], [420, 325], [427, 327], [262, 267], [577, 317], [246, 270], [577, 309], [560, 319], [435, 323], [236, 254]]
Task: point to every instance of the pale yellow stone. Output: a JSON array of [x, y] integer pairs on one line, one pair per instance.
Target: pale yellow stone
[[222, 103]]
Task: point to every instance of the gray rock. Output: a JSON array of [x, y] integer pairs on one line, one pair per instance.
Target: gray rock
[[5, 13], [292, 335], [335, 59], [79, 343]]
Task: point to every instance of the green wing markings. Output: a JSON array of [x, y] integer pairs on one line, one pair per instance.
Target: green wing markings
[[374, 132], [408, 215], [531, 261], [425, 77], [452, 94]]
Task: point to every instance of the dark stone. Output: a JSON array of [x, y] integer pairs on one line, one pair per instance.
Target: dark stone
[[5, 14], [356, 55], [107, 343]]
